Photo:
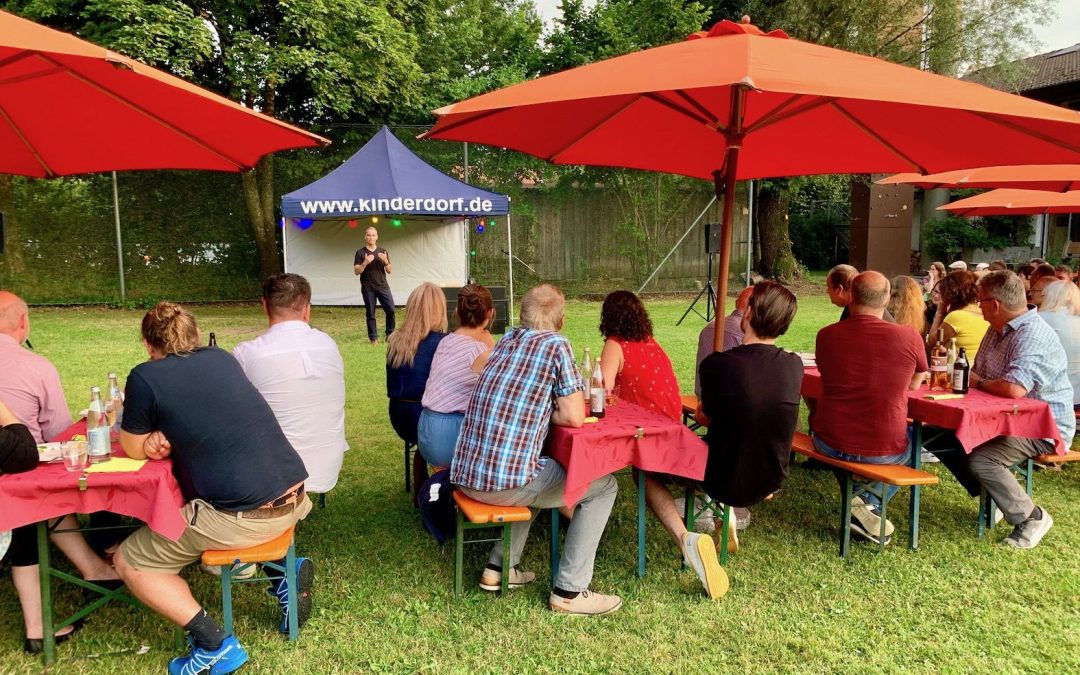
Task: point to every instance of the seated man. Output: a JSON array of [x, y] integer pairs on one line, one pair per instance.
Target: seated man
[[867, 365], [1019, 356], [750, 402], [733, 334], [838, 286], [242, 481], [531, 381], [299, 372]]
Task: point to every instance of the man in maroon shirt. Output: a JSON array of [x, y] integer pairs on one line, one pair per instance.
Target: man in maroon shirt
[[867, 365]]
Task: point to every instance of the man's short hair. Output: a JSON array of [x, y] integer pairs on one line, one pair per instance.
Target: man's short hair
[[998, 265], [1025, 270], [286, 293], [1041, 270], [542, 308], [841, 276], [1006, 288], [870, 289], [772, 307]]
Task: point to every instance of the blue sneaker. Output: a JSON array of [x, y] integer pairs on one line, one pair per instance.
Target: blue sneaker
[[225, 659], [305, 577]]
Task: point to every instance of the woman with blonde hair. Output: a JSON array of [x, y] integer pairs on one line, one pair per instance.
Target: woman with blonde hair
[[1061, 310], [409, 353], [906, 303]]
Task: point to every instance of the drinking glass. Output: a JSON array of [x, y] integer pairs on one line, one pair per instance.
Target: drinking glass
[[74, 455], [611, 396]]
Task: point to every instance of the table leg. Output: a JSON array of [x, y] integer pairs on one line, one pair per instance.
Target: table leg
[[916, 491], [641, 523], [45, 571]]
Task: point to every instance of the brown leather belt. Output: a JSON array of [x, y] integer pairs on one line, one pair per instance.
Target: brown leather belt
[[283, 505]]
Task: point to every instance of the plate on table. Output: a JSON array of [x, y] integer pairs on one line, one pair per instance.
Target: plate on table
[[48, 452]]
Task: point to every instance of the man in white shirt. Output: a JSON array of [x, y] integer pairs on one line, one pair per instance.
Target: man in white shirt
[[299, 372]]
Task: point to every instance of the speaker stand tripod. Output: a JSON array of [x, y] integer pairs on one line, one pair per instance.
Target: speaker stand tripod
[[709, 293]]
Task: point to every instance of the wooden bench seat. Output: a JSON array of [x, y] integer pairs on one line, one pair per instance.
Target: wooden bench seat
[[473, 514], [1053, 459], [872, 478], [689, 407]]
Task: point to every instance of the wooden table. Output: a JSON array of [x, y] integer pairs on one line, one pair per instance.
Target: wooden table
[[50, 491], [628, 435]]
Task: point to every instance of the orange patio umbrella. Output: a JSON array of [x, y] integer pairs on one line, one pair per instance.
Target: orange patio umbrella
[[736, 103], [1052, 177], [68, 106], [1008, 202]]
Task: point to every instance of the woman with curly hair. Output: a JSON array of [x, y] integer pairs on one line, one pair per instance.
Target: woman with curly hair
[[633, 360], [906, 303], [958, 313], [459, 358]]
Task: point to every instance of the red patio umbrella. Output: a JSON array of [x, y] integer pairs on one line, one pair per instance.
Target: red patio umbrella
[[68, 106], [736, 103], [1052, 177], [1007, 202]]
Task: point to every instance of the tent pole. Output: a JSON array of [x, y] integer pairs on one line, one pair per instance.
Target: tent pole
[[119, 242], [510, 265], [284, 244], [726, 180], [749, 230]]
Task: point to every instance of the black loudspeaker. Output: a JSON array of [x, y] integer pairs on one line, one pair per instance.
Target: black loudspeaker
[[498, 296], [712, 237]]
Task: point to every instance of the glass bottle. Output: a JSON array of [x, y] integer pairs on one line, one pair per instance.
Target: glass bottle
[[596, 392], [97, 429], [939, 358], [114, 406], [961, 373]]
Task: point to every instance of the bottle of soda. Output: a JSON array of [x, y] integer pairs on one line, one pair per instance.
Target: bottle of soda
[[586, 367], [114, 407], [939, 371], [961, 373], [952, 354], [97, 429], [596, 392]]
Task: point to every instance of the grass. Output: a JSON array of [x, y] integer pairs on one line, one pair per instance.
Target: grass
[[384, 599]]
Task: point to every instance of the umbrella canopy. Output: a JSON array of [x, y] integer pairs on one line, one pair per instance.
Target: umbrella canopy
[[1052, 177], [736, 103], [1008, 202], [68, 106]]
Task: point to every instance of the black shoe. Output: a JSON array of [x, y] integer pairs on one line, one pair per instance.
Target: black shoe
[[37, 645]]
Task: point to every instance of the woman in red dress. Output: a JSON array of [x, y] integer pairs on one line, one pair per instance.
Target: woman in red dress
[[633, 360]]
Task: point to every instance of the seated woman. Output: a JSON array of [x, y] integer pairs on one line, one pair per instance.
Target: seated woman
[[958, 314], [458, 361], [633, 361], [409, 352], [906, 303], [18, 453], [1061, 310]]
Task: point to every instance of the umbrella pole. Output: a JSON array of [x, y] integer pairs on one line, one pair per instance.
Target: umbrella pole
[[510, 266], [119, 243], [726, 181]]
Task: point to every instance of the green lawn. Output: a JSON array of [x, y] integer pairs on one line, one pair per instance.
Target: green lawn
[[384, 596]]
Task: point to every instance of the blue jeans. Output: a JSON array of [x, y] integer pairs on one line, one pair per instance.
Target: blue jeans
[[437, 435], [901, 458]]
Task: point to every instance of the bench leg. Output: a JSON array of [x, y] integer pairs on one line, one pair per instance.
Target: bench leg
[[226, 598], [555, 522], [507, 563], [459, 545], [724, 535], [884, 519], [641, 523], [845, 515], [294, 597], [916, 491], [1029, 475]]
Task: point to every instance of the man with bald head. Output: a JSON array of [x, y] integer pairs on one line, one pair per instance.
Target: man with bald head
[[867, 365], [30, 386]]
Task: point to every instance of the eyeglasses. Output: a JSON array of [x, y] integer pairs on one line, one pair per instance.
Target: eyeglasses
[[982, 300]]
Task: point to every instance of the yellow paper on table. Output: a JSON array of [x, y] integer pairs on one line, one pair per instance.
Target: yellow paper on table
[[116, 465], [942, 397]]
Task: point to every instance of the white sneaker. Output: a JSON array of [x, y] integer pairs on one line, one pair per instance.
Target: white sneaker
[[701, 554], [586, 603], [491, 580], [867, 524], [1029, 533]]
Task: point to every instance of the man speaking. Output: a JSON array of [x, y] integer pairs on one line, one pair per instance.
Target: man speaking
[[372, 264]]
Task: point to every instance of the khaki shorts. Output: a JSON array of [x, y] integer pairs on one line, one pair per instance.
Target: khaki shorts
[[212, 530]]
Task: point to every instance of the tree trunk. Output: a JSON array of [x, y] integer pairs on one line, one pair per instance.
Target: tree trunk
[[12, 246], [777, 260], [259, 199]]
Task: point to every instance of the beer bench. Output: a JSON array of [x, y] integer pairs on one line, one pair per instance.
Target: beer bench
[[689, 407], [858, 479]]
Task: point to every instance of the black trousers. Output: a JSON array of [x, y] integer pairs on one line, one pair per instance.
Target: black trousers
[[387, 302]]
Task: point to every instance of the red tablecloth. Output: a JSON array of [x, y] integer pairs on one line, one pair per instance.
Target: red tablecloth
[[595, 450], [974, 419], [150, 494]]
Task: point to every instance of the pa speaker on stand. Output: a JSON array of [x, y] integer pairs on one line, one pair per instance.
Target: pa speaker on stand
[[708, 291]]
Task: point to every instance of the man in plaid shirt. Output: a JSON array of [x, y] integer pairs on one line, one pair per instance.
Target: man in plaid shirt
[[529, 383], [1019, 356]]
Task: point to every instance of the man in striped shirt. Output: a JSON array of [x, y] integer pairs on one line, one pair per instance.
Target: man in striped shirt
[[529, 383]]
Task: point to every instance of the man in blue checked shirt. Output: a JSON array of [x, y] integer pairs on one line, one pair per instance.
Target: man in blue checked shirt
[[1019, 356], [531, 382]]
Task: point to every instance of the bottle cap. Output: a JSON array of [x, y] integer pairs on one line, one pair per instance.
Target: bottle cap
[[93, 389]]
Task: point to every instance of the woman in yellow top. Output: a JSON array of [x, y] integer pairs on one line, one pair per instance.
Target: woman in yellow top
[[958, 313]]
